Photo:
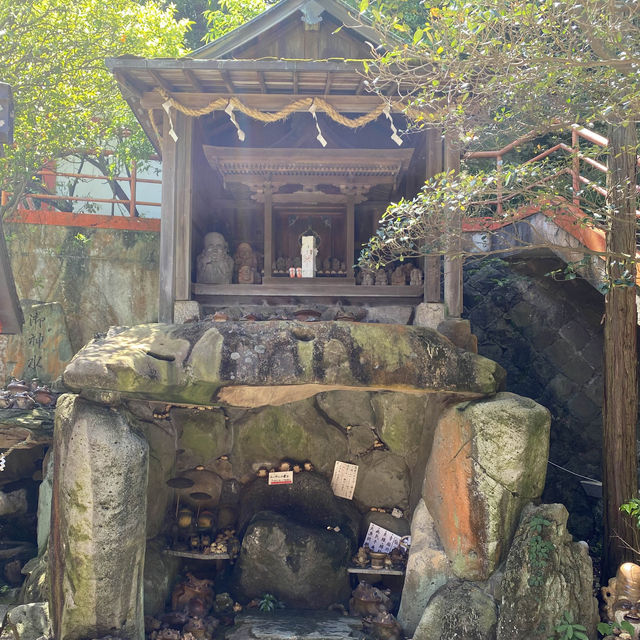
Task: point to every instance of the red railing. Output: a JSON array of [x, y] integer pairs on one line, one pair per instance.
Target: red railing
[[35, 208], [577, 132]]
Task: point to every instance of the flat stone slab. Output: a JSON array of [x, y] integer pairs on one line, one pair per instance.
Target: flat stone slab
[[23, 429], [295, 625], [253, 364]]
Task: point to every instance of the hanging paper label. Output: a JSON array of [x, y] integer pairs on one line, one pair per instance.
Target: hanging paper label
[[394, 132], [281, 477], [232, 117], [320, 138], [344, 479], [382, 540]]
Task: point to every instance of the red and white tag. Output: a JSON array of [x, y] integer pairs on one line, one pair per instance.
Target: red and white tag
[[281, 477]]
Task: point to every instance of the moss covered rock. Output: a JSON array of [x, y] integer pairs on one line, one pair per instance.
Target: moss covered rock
[[492, 456]]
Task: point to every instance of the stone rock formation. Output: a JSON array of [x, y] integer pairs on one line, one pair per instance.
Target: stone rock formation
[[492, 455], [304, 567], [560, 579], [460, 610], [192, 363], [428, 569], [98, 522]]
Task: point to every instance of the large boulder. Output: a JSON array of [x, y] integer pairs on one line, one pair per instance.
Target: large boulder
[[262, 363], [383, 481], [546, 575], [428, 569], [460, 610], [303, 566], [160, 571], [98, 521], [295, 431], [27, 622], [492, 456], [401, 419], [308, 501]]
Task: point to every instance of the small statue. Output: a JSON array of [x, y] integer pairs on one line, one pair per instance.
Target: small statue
[[381, 278], [398, 277], [361, 559], [191, 588], [281, 265], [246, 264], [367, 278], [415, 278], [326, 265], [622, 597], [335, 266], [214, 265]]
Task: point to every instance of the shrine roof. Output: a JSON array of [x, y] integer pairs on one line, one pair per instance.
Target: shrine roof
[[312, 12]]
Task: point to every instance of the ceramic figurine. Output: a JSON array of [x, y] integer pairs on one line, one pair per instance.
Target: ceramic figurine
[[191, 588], [214, 264], [415, 277], [308, 466], [381, 278], [284, 466], [185, 518], [6, 400], [377, 559], [17, 386], [361, 559], [368, 279], [398, 277], [246, 264], [384, 626], [622, 597], [297, 468], [23, 401], [368, 600]]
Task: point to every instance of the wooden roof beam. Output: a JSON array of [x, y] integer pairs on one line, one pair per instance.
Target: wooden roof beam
[[129, 84], [327, 84], [261, 80], [193, 80], [227, 81], [161, 81]]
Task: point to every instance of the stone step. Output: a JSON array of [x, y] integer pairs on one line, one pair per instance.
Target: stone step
[[295, 624]]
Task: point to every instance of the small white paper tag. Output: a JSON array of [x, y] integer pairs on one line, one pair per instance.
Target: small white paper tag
[[344, 479], [281, 477], [379, 539], [396, 513]]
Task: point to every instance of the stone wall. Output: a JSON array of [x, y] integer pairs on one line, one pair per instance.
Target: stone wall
[[547, 334], [100, 278]]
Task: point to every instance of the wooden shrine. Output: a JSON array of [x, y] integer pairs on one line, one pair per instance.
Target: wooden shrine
[[268, 135]]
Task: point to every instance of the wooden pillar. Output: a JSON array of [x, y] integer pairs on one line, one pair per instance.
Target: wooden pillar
[[453, 261], [167, 224], [268, 230], [184, 173], [351, 240], [433, 166]]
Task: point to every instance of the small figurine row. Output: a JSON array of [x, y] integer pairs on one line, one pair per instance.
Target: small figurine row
[[286, 465], [225, 542], [330, 266], [395, 559], [20, 395], [399, 277]]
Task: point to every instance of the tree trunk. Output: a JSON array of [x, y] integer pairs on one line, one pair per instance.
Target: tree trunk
[[620, 407]]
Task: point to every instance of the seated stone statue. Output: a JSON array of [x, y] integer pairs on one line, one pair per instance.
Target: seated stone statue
[[214, 264], [245, 257], [381, 278]]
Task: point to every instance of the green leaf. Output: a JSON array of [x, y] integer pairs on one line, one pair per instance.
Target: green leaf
[[364, 5]]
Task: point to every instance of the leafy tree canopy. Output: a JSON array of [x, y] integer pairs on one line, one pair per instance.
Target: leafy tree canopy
[[52, 53]]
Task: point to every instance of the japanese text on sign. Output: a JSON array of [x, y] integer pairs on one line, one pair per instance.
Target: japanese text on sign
[[344, 479]]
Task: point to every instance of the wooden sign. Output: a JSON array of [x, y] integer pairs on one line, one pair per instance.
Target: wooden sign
[[344, 479], [281, 477]]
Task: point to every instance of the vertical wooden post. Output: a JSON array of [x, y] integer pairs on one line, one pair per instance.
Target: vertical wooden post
[[350, 257], [132, 189], [268, 230], [453, 261], [168, 221], [433, 166], [183, 214], [575, 166]]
